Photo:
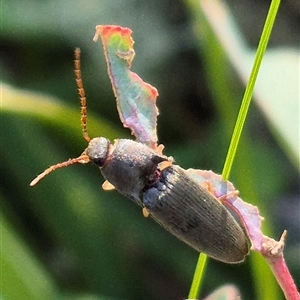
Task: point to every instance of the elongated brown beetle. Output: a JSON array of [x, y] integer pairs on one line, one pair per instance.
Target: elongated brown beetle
[[164, 190], [171, 197]]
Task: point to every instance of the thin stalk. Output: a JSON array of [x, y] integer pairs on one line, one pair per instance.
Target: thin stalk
[[199, 271], [198, 276], [249, 88]]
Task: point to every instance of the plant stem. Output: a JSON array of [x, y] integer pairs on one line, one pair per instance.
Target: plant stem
[[284, 278], [197, 279], [272, 251], [249, 88], [198, 276]]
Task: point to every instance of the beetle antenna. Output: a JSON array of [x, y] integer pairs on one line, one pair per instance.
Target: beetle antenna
[[82, 159], [81, 93]]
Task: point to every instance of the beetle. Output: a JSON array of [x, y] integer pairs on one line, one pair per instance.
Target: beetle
[[171, 197], [164, 190]]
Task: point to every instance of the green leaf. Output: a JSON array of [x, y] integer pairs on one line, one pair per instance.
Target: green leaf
[[22, 275]]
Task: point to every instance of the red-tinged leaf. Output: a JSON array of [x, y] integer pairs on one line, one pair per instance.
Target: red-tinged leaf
[[136, 99], [247, 214]]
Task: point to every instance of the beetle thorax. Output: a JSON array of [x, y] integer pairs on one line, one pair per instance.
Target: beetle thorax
[[129, 166]]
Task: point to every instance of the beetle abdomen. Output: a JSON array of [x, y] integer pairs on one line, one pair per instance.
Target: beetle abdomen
[[195, 216]]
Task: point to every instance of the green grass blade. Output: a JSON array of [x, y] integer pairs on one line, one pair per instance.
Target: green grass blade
[[199, 271], [198, 276], [22, 275], [249, 88]]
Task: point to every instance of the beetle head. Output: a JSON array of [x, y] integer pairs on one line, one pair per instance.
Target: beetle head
[[97, 150]]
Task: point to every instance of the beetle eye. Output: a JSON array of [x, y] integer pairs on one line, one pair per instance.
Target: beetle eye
[[97, 150], [99, 161]]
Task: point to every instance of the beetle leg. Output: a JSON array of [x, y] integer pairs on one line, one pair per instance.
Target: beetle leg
[[208, 186], [107, 186], [233, 194], [165, 164], [145, 212]]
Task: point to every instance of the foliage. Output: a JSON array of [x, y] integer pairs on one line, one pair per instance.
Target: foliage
[[76, 240]]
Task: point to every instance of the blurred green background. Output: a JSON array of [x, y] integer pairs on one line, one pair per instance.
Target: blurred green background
[[68, 239]]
